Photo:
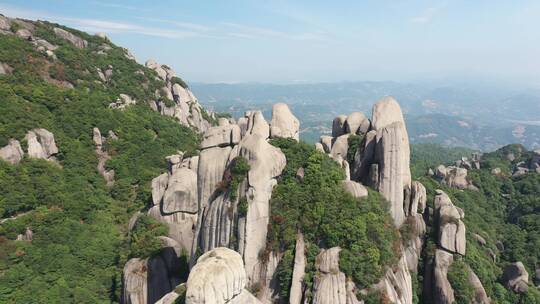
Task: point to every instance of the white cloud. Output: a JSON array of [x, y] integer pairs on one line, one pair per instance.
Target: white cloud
[[427, 16], [251, 32]]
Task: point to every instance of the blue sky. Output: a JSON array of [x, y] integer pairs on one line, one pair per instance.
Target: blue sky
[[314, 41]]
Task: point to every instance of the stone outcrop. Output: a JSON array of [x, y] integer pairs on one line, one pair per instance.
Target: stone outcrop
[[134, 280], [442, 290], [5, 69], [356, 189], [397, 284], [453, 176], [330, 285], [41, 144], [480, 295], [516, 278], [299, 271], [12, 152], [122, 102], [218, 277], [357, 123], [103, 156], [185, 106], [75, 40], [451, 229], [165, 269], [338, 126], [284, 124], [175, 199]]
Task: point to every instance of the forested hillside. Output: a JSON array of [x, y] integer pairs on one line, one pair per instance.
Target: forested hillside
[[501, 217], [78, 224]]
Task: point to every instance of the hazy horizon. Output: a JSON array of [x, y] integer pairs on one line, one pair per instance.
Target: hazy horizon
[[311, 42]]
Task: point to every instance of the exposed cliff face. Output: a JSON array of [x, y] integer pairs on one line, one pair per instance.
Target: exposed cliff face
[[185, 106]]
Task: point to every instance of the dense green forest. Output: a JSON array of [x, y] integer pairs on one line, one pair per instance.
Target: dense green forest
[[79, 224], [505, 212], [328, 216]]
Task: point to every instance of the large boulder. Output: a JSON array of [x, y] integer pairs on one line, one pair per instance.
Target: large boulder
[[221, 136], [451, 229], [75, 40], [218, 277], [256, 124], [41, 144], [338, 125], [284, 124], [340, 146], [12, 152], [356, 189], [357, 123], [516, 278]]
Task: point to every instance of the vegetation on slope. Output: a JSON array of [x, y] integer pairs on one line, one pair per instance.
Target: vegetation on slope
[[79, 225], [328, 216], [505, 211]]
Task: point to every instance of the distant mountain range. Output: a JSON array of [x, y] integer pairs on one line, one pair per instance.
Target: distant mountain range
[[483, 117]]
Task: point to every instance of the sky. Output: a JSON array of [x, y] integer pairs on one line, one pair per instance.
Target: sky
[[316, 41]]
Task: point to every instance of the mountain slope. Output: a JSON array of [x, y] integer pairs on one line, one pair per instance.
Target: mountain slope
[[78, 223]]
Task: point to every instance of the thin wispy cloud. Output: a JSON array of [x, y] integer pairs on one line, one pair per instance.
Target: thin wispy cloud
[[98, 25], [246, 31], [175, 30], [427, 16], [118, 6]]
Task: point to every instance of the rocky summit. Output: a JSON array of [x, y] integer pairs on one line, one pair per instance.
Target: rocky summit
[[118, 186]]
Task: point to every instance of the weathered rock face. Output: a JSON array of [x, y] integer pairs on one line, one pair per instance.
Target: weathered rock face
[[212, 164], [299, 271], [41, 144], [284, 124], [12, 152], [450, 225], [397, 284], [442, 290], [186, 108], [394, 174], [266, 163], [218, 277], [75, 40], [480, 295], [340, 145], [220, 136], [135, 282], [181, 193], [516, 278], [330, 286], [164, 270], [417, 201]]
